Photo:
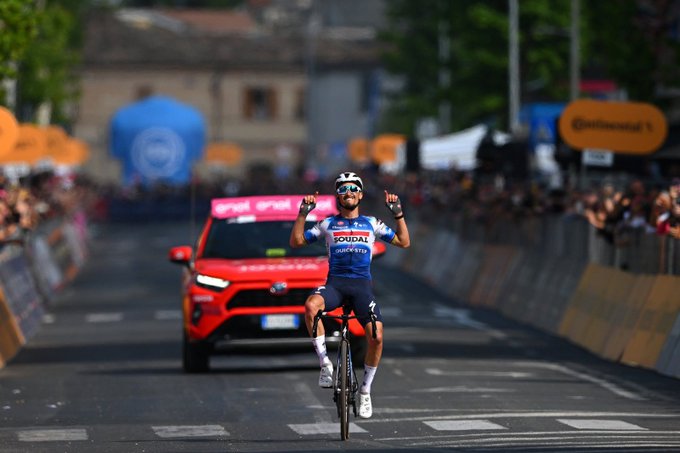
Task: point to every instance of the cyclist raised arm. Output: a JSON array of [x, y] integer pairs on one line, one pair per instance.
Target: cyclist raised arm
[[349, 238]]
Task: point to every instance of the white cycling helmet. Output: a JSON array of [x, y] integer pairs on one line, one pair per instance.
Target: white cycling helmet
[[348, 176]]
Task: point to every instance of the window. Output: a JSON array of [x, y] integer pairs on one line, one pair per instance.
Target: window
[[231, 240], [260, 104]]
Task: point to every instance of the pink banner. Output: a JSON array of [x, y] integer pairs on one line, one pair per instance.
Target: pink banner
[[271, 207]]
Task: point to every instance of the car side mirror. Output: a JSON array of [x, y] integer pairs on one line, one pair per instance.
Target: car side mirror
[[180, 255], [379, 249]]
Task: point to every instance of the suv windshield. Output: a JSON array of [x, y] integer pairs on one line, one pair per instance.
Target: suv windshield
[[230, 240]]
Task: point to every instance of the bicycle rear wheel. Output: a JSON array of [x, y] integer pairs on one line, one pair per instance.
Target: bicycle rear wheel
[[344, 390]]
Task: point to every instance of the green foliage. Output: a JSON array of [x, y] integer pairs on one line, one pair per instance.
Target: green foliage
[[17, 29], [631, 44], [208, 4], [616, 43], [47, 69]]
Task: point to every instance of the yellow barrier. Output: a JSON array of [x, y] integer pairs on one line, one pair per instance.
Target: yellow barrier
[[625, 317], [10, 335], [603, 316], [654, 323], [588, 294]]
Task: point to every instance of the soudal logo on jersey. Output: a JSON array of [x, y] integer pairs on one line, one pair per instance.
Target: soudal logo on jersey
[[350, 237]]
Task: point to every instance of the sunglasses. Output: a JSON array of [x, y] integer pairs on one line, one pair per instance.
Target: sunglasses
[[344, 189]]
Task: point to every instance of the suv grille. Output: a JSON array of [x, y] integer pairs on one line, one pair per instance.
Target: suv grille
[[263, 298]]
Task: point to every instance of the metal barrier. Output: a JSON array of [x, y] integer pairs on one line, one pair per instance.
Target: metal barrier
[[30, 274], [562, 235]]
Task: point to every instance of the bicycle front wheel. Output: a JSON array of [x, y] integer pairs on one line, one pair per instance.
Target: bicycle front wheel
[[345, 383]]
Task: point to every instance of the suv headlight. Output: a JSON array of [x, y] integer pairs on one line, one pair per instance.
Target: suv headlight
[[213, 283]]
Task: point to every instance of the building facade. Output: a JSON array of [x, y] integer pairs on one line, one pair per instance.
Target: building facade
[[278, 90]]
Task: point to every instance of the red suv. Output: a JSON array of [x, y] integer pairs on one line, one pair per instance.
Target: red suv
[[244, 286]]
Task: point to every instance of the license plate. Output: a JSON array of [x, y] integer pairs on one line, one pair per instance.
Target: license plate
[[280, 322]]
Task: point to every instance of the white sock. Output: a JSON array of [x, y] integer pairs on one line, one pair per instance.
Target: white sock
[[369, 374], [320, 348]]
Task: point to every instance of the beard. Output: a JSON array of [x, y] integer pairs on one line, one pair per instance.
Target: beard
[[349, 203]]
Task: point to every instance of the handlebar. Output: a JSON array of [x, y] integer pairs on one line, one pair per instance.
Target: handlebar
[[345, 316]]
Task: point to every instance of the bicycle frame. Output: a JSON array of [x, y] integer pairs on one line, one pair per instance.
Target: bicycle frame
[[345, 384]]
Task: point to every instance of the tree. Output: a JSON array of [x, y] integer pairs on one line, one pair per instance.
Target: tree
[[47, 73], [478, 58], [635, 43], [208, 4], [17, 29]]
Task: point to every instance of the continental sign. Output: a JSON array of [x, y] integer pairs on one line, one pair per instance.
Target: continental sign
[[623, 127]]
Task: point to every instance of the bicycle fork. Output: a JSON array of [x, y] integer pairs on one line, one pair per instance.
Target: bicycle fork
[[340, 368]]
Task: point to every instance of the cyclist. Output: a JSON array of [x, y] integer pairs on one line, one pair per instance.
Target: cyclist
[[349, 239]]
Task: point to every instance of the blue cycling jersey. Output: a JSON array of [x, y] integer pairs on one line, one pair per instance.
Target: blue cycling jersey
[[349, 243]]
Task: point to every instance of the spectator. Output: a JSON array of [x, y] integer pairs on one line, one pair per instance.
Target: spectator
[[9, 230], [661, 213]]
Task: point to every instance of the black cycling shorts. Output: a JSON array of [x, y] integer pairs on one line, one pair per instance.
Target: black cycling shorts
[[357, 291]]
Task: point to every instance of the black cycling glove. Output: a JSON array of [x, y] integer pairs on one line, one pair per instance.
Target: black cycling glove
[[395, 207], [306, 208]]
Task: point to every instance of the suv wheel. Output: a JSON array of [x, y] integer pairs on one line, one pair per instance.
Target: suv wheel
[[195, 356]]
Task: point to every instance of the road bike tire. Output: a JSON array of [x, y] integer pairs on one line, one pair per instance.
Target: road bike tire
[[344, 390]]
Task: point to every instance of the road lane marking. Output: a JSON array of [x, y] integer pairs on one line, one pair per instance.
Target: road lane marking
[[609, 386], [511, 374], [462, 389], [546, 414], [306, 397], [49, 318], [52, 435], [463, 425], [167, 315], [589, 424], [506, 435], [309, 429], [464, 317], [526, 443], [170, 432], [103, 317]]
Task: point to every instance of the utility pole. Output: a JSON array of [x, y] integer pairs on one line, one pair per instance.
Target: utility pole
[[312, 31], [574, 51], [513, 66], [444, 44]]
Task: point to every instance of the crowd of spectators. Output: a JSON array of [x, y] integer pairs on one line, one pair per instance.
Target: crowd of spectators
[[652, 208], [482, 208], [616, 213], [29, 201]]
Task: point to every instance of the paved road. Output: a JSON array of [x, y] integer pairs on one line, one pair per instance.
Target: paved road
[[104, 375]]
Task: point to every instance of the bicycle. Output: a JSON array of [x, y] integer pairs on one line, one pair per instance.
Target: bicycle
[[345, 385]]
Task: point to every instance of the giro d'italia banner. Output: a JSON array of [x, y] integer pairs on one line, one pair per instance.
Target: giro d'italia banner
[[157, 139]]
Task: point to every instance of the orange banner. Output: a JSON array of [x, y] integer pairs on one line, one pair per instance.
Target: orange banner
[[384, 147], [223, 153], [622, 127], [9, 131], [358, 150], [31, 146]]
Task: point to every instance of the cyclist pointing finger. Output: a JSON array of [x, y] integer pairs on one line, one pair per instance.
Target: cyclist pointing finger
[[349, 239]]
